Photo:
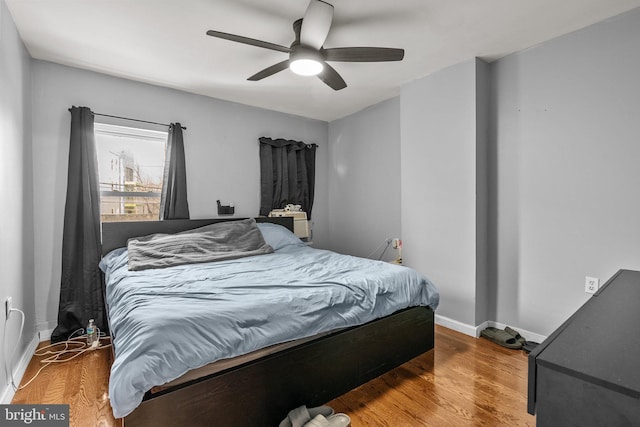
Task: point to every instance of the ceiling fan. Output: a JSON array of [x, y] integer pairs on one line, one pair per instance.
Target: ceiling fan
[[307, 56]]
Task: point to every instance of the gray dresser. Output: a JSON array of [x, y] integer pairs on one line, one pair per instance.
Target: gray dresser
[[587, 373]]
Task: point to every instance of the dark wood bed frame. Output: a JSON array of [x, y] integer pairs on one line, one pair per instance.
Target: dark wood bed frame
[[263, 391]]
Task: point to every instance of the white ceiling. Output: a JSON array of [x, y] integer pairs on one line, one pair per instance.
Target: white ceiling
[[163, 42]]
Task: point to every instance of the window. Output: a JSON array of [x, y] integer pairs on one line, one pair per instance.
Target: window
[[130, 169]]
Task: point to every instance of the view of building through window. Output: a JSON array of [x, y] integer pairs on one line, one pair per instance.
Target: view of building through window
[[130, 168]]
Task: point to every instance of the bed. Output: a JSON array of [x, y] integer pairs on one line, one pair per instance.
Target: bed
[[253, 380]]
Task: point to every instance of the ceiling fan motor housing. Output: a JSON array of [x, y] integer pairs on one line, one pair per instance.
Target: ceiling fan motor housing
[[305, 60]]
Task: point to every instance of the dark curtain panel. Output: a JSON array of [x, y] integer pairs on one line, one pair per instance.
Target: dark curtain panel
[[287, 174], [173, 201], [81, 295]]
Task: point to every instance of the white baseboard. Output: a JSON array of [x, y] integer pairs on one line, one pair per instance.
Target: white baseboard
[[482, 326], [45, 329], [455, 325], [45, 335], [7, 392], [474, 331]]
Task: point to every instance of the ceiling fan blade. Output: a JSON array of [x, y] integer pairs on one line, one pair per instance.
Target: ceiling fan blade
[[331, 78], [363, 54], [269, 71], [249, 41], [316, 24]]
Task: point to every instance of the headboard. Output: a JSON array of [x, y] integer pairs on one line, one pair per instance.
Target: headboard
[[116, 234]]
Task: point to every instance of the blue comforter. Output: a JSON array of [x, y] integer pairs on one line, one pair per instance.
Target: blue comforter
[[168, 321]]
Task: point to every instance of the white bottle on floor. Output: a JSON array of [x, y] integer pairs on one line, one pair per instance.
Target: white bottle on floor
[[92, 333]]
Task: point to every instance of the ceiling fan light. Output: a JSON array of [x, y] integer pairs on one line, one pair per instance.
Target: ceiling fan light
[[306, 67], [305, 61]]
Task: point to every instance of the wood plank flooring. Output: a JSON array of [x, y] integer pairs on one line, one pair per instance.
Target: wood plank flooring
[[462, 382], [83, 383]]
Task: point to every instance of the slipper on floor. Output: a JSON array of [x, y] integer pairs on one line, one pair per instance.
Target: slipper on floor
[[515, 334], [529, 346], [302, 415], [501, 337], [336, 420]]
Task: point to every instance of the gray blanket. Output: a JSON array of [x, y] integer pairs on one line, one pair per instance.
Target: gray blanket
[[215, 242]]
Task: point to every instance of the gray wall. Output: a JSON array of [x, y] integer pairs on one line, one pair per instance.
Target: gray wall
[[221, 149], [512, 195], [562, 156], [364, 180], [16, 235], [438, 176], [565, 161]]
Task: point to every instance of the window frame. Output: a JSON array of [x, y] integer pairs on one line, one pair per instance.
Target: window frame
[[109, 129]]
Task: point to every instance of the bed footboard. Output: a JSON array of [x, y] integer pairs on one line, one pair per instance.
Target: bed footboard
[[262, 392]]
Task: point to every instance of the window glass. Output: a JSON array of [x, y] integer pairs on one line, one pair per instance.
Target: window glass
[[130, 168]]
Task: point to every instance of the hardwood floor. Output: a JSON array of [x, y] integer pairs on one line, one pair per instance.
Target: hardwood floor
[[463, 382], [83, 383]]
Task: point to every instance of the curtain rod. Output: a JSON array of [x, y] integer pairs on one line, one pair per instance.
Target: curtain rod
[[133, 120]]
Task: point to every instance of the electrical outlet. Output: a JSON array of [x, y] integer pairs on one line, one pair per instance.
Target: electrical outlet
[[591, 284], [8, 305], [396, 243]]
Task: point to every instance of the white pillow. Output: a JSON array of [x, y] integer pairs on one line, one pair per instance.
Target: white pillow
[[278, 236]]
